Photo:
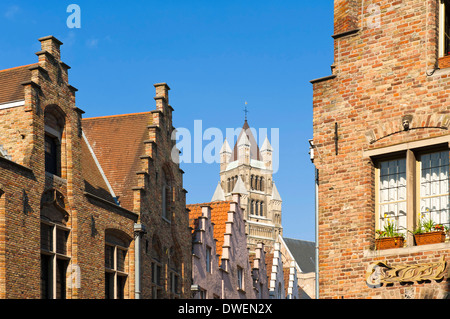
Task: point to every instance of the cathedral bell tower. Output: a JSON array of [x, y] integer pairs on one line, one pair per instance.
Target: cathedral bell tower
[[247, 169]]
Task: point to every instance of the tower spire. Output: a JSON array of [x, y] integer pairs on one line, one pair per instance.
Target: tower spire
[[246, 111]]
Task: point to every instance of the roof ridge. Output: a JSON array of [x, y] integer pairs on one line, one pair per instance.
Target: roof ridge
[[211, 203], [116, 115], [18, 67]]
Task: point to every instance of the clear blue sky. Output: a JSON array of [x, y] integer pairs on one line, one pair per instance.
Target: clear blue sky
[[215, 55]]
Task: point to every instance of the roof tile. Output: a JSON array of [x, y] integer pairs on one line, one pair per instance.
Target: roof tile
[[11, 89]]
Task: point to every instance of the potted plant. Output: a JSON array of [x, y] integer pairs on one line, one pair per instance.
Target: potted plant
[[389, 237], [428, 232]]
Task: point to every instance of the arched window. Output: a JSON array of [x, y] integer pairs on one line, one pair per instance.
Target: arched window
[[261, 209], [257, 208], [116, 265], [252, 181], [252, 207], [54, 128], [261, 184]]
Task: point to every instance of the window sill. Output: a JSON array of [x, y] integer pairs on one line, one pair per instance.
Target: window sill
[[56, 178], [406, 250], [165, 219], [444, 62]]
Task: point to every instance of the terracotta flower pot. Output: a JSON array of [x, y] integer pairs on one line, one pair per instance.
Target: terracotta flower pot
[[389, 242], [429, 238]]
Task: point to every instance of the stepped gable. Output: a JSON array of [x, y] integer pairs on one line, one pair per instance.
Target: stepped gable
[[219, 215]]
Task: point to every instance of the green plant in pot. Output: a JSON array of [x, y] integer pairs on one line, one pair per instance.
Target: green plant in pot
[[428, 232], [389, 237]]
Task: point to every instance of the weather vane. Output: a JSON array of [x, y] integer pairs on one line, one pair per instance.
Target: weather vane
[[246, 111]]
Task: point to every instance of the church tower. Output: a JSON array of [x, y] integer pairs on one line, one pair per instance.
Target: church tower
[[247, 169]]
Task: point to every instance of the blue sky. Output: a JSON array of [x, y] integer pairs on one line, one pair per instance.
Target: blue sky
[[214, 55]]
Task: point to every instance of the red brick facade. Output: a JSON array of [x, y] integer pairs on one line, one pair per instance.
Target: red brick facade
[[62, 234], [384, 73]]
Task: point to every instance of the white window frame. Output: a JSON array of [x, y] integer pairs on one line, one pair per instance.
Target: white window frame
[[240, 277]]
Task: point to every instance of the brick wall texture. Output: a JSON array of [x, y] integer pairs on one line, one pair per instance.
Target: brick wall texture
[[382, 71]]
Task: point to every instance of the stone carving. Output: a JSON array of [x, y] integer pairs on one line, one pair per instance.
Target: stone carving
[[381, 273], [406, 122]]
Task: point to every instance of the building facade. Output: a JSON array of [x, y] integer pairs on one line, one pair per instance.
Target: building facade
[[222, 267], [248, 169], [76, 220], [381, 149]]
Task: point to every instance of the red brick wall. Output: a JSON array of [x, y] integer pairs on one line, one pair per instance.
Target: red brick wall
[[380, 76]]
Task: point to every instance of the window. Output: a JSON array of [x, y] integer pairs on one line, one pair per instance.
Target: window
[[444, 28], [174, 273], [202, 294], [392, 193], [115, 267], [208, 260], [165, 197], [52, 155], [54, 127], [434, 187], [156, 268], [54, 260], [156, 280], [413, 183], [240, 278]]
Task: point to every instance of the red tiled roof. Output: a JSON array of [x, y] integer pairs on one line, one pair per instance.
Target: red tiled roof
[[117, 142], [93, 179], [11, 88], [219, 215]]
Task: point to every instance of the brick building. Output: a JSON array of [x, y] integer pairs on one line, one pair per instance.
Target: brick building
[[381, 148], [90, 208], [222, 267]]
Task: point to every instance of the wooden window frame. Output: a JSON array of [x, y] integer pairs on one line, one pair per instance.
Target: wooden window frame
[[56, 257], [412, 152], [117, 274]]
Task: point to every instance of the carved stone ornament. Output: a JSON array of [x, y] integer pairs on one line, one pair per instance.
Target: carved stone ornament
[[381, 273], [53, 206]]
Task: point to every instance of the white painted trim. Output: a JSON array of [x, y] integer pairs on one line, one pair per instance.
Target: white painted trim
[[441, 29], [99, 168], [12, 104]]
